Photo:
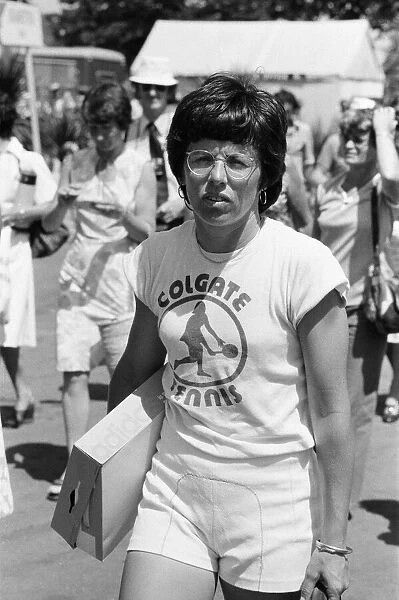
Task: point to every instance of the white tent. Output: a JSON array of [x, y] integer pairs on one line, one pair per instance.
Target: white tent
[[321, 62]]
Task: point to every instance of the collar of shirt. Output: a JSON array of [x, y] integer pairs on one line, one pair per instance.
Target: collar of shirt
[[162, 124]]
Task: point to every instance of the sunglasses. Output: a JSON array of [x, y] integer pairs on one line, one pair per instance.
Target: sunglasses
[[146, 87]]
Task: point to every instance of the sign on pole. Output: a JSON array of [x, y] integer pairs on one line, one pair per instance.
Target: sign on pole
[[21, 26]]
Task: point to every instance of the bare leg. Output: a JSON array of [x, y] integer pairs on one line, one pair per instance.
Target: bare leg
[[149, 576], [76, 404], [231, 592], [11, 360]]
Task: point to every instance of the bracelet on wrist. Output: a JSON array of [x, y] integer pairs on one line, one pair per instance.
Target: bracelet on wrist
[[321, 547]]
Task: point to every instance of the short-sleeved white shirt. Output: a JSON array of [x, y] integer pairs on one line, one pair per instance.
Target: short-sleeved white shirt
[[235, 381]]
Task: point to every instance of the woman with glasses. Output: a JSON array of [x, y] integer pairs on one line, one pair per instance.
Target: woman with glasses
[[368, 158], [112, 191], [248, 312]]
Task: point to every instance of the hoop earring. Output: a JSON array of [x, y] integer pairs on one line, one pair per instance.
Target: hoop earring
[[263, 197], [187, 203], [181, 190]]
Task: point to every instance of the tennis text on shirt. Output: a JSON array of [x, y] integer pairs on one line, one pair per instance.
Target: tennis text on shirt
[[200, 340]]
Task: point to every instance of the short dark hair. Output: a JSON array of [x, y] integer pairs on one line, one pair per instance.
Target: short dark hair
[[231, 108], [11, 86], [108, 102], [8, 116], [286, 97]]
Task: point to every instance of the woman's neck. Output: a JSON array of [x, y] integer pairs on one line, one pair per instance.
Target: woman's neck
[[220, 239], [359, 175], [106, 158]]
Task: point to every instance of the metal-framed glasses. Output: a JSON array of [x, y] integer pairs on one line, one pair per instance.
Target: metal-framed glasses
[[237, 165]]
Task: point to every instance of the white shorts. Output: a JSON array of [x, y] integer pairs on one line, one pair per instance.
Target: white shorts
[[83, 344], [253, 522]]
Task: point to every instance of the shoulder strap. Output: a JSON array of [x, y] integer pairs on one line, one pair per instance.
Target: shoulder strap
[[374, 217]]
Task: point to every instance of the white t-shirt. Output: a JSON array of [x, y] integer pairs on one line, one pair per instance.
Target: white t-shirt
[[235, 380]]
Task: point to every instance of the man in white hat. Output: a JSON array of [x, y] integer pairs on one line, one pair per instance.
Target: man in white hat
[[153, 81]]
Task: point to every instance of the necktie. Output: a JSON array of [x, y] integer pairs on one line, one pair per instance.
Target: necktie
[[155, 144], [157, 157]]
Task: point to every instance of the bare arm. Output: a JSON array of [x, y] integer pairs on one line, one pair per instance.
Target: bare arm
[[297, 198], [45, 189], [63, 200], [324, 340], [174, 206], [140, 219], [143, 356], [388, 160], [24, 217]]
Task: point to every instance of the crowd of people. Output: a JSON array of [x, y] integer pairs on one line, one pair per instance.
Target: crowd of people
[[209, 236]]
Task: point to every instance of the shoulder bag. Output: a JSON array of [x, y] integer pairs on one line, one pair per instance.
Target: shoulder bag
[[381, 295]]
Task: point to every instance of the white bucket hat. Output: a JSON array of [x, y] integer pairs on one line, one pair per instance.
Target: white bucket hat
[[154, 70], [362, 103]]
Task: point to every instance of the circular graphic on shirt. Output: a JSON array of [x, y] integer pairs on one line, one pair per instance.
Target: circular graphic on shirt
[[211, 347]]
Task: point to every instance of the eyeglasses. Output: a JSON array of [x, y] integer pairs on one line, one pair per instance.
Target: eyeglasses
[[237, 165], [357, 137], [146, 87]]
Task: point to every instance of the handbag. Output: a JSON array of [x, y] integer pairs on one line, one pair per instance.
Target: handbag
[[45, 243], [381, 296]]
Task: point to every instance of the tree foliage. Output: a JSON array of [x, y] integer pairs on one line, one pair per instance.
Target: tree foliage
[[119, 25], [124, 24]]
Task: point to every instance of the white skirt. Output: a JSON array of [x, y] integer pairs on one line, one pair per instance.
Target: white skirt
[[21, 327]]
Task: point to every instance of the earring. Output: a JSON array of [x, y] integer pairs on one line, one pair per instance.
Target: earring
[[188, 205], [181, 190], [263, 197]]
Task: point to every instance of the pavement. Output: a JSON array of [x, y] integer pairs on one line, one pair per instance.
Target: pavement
[[36, 563]]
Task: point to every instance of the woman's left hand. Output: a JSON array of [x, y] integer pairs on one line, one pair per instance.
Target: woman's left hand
[[328, 573]]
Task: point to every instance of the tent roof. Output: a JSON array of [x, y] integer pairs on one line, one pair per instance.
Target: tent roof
[[339, 49]]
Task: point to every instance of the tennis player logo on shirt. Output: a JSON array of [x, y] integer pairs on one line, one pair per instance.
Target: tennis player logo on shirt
[[197, 343], [210, 351]]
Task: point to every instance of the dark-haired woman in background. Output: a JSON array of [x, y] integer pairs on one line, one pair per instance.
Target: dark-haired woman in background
[[17, 213], [112, 191], [234, 490]]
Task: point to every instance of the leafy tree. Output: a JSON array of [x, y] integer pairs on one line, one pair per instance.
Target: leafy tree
[[119, 25], [124, 24]]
